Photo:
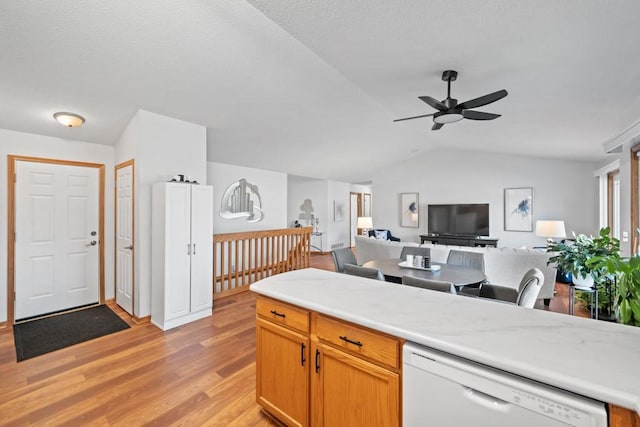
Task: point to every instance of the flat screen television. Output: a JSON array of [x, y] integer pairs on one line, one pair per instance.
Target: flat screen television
[[458, 220]]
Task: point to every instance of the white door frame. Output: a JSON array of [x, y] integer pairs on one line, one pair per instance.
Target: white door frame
[[133, 235], [353, 222], [11, 223]]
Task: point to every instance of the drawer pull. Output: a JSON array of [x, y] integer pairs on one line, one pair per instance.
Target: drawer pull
[[302, 359], [358, 343], [278, 314], [317, 360]]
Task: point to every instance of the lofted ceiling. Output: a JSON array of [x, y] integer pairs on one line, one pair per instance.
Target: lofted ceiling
[[312, 88]]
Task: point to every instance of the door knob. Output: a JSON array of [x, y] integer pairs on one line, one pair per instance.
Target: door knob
[[93, 243], [130, 247]]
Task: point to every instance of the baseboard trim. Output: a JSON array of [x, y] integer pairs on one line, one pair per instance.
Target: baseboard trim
[[3, 324], [138, 320], [110, 301]]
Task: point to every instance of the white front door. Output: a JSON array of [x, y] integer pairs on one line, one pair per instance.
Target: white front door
[[57, 243], [124, 237]]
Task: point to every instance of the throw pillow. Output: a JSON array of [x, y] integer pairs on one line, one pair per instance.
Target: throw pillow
[[381, 234]]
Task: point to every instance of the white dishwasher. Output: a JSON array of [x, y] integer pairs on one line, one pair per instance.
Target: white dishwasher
[[443, 390]]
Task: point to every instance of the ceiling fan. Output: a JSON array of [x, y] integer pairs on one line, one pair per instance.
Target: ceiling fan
[[449, 111]]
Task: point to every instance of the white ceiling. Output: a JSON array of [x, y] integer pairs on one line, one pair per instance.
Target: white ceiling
[[311, 88]]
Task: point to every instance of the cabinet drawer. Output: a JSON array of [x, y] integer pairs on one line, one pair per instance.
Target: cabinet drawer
[[359, 341], [283, 314]]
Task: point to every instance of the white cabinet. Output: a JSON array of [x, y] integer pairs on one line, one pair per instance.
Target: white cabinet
[[181, 253]]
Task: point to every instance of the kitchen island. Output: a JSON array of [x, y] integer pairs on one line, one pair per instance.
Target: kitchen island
[[591, 358]]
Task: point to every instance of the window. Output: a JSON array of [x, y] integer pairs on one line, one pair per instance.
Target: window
[[613, 202]]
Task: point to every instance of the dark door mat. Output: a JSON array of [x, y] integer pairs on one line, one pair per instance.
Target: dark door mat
[[53, 333]]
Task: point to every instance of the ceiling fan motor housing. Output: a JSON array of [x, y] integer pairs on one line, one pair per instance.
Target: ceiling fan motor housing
[[449, 76]]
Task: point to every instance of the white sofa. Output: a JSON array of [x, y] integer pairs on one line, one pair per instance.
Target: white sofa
[[503, 266]]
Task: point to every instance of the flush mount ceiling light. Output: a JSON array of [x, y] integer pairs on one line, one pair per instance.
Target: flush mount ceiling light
[[69, 119]]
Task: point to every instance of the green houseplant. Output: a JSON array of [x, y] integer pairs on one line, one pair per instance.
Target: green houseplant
[[627, 298], [578, 258]]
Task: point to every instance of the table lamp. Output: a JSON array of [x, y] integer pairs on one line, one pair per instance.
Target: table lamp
[[550, 229], [365, 223]]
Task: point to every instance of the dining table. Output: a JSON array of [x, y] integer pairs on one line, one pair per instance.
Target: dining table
[[458, 275]]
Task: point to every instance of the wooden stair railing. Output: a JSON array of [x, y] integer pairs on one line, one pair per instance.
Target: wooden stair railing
[[240, 259]]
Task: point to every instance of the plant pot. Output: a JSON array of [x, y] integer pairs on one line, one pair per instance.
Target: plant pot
[[581, 281]]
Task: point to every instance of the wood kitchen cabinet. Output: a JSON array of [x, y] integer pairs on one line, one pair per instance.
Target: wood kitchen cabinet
[[621, 417], [355, 377], [349, 391], [350, 376], [282, 361]]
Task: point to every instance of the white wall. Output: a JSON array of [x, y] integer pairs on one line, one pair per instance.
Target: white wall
[[323, 194], [27, 144], [161, 147], [338, 231], [273, 192], [298, 190], [561, 190]]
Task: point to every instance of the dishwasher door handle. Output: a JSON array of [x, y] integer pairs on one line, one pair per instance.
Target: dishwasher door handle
[[486, 400]]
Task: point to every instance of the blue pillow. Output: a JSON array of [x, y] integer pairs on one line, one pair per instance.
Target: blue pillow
[[381, 234]]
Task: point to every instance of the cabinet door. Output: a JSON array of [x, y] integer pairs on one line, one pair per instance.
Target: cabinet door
[[282, 373], [177, 255], [621, 417], [348, 391], [201, 247]]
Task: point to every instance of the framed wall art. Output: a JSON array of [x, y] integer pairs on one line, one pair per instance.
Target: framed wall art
[[409, 210], [338, 210], [518, 209]]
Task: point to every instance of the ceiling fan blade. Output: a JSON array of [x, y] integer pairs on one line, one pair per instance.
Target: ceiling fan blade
[[437, 126], [479, 115], [483, 100], [434, 103], [414, 117]]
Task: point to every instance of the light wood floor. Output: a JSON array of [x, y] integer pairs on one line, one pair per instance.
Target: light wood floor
[[202, 373]]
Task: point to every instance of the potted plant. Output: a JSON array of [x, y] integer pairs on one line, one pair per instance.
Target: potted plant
[[576, 258], [627, 297]]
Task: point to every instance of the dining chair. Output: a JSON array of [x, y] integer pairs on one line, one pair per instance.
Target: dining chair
[[466, 259], [369, 273], [524, 296], [414, 250], [434, 285], [341, 257]]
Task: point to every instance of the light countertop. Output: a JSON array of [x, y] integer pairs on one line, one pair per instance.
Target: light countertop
[[593, 358]]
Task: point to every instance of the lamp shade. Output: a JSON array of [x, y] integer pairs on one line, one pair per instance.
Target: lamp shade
[[365, 222], [550, 229]]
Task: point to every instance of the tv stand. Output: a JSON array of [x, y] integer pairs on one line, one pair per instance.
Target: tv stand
[[443, 239]]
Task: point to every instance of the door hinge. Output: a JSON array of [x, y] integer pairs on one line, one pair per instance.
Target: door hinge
[[15, 178]]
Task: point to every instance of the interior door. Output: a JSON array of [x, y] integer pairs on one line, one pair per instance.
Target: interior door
[[124, 236], [57, 256]]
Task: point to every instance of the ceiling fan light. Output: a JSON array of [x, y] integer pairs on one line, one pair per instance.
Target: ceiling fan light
[[71, 120], [448, 118]]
